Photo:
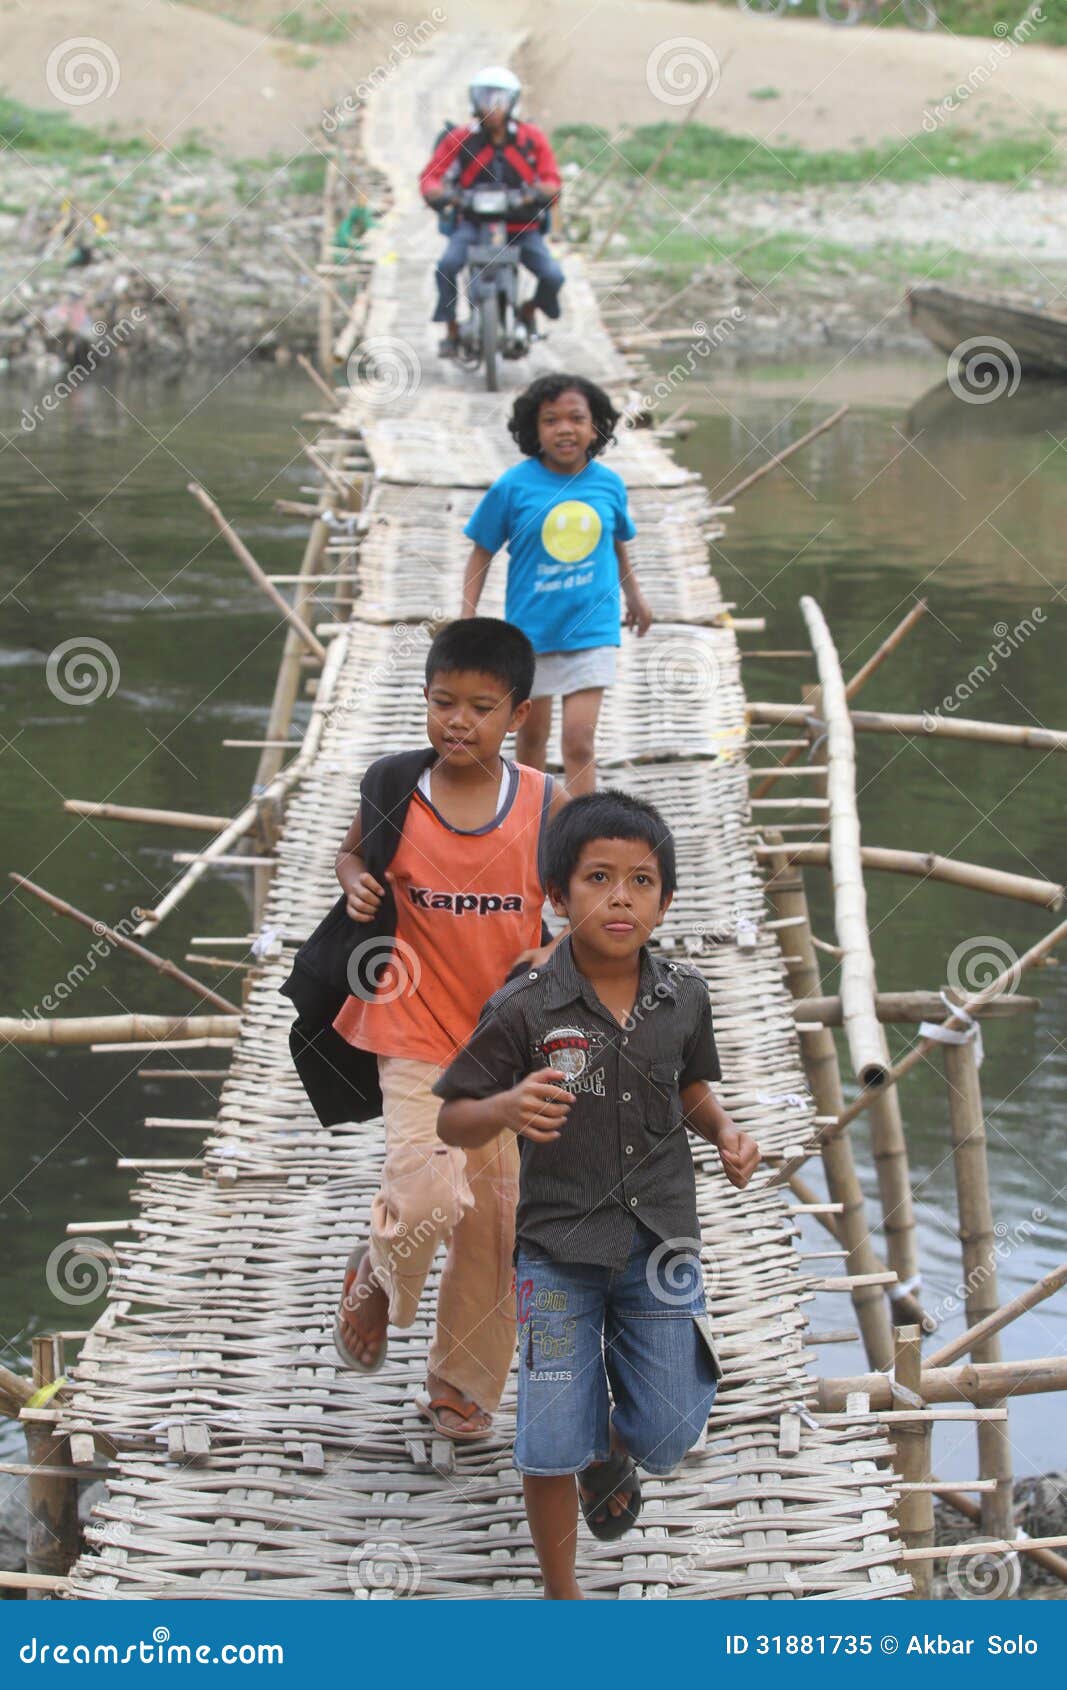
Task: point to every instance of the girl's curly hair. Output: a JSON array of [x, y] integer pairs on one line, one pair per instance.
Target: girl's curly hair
[[522, 424]]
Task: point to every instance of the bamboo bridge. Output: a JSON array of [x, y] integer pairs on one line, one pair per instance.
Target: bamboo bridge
[[242, 1461]]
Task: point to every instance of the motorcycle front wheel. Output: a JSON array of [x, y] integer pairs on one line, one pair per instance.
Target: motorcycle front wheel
[[490, 325]]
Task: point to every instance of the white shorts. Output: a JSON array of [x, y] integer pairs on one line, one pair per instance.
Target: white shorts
[[559, 673]]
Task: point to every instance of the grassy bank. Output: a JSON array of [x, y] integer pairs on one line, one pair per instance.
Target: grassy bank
[[964, 17]]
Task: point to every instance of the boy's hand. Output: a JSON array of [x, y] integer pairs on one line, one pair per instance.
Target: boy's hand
[[536, 1108], [638, 613], [537, 957], [361, 903], [740, 1155]]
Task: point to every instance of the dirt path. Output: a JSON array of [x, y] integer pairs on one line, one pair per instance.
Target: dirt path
[[172, 68]]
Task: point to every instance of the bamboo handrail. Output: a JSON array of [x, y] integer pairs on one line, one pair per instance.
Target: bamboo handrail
[[116, 1029], [771, 714], [927, 865], [866, 1042], [982, 1383], [909, 1008], [137, 813]]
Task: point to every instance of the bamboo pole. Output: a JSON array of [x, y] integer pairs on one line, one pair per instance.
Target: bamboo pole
[[329, 189], [116, 1029], [1046, 1558], [866, 1042], [909, 1008], [927, 865], [1006, 980], [103, 931], [936, 727], [785, 893], [136, 813], [780, 458], [985, 1384], [325, 389], [275, 789], [978, 1240], [630, 200], [993, 1323], [51, 1502], [241, 551], [888, 1143], [915, 1508], [15, 1393]]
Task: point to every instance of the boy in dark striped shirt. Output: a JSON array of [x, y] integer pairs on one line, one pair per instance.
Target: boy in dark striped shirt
[[599, 1061]]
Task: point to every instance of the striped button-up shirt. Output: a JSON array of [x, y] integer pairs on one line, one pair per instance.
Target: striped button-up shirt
[[623, 1155]]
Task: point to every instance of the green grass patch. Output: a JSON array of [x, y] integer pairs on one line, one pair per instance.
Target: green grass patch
[[52, 135], [713, 160]]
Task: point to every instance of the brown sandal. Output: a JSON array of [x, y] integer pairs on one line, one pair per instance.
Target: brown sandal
[[429, 1408]]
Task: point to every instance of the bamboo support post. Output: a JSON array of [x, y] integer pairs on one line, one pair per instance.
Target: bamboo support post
[[926, 865], [103, 931], [785, 892], [137, 813], [866, 1042], [51, 1502], [241, 551], [782, 457], [915, 1509], [978, 1242]]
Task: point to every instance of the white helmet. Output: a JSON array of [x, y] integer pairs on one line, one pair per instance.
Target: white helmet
[[495, 86]]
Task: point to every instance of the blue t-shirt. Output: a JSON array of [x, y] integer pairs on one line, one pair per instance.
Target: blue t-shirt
[[560, 530]]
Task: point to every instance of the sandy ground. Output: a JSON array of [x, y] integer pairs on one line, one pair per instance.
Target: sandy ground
[[170, 68]]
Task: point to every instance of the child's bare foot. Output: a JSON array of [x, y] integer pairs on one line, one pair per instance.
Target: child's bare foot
[[565, 1593], [477, 1420], [364, 1314]]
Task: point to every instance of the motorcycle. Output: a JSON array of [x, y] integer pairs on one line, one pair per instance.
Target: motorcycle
[[493, 328]]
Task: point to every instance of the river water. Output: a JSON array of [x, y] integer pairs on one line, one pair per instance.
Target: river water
[[967, 505]]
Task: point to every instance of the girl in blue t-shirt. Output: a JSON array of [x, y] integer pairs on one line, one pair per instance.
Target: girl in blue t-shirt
[[565, 520]]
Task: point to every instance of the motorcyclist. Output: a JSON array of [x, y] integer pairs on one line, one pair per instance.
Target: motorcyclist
[[495, 147]]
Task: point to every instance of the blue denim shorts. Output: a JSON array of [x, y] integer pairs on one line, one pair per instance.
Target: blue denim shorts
[[597, 1345]]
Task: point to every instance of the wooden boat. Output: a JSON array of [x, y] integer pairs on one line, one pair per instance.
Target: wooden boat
[[948, 318]]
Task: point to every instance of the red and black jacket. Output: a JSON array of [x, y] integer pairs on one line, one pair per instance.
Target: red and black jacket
[[463, 155]]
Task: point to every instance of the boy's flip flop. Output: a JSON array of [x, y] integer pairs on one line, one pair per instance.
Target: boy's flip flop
[[605, 1480], [429, 1408], [348, 1356]]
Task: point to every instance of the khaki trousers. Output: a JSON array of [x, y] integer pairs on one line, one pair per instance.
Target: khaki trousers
[[433, 1193]]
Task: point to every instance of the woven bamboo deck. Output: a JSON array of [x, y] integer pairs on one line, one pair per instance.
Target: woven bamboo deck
[[247, 1465]]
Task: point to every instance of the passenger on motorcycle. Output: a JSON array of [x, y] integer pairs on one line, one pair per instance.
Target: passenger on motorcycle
[[495, 147]]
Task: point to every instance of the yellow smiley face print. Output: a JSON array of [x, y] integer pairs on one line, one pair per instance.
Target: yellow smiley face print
[[571, 531]]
